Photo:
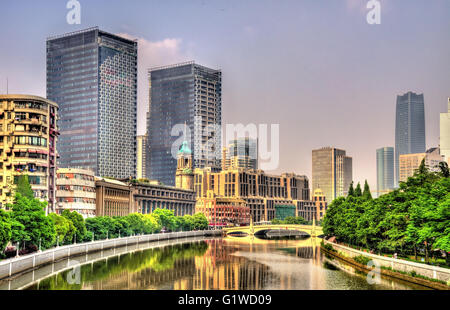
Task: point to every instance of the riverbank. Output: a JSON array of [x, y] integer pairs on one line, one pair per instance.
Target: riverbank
[[425, 275], [14, 266]]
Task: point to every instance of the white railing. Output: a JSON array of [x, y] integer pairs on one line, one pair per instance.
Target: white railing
[[12, 266]]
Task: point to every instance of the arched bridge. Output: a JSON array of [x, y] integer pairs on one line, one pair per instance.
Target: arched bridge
[[311, 230]]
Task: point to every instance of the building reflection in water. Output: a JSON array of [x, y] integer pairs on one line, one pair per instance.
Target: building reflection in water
[[231, 263], [228, 264]]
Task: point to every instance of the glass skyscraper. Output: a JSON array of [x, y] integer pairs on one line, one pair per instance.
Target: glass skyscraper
[[385, 170], [332, 172], [183, 95], [242, 153], [92, 75], [409, 127]]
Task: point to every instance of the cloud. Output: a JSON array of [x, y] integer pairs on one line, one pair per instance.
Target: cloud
[[153, 54]]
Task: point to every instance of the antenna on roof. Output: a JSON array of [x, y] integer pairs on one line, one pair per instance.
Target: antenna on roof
[[7, 86]]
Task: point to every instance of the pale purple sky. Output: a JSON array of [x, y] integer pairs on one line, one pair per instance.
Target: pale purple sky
[[317, 68]]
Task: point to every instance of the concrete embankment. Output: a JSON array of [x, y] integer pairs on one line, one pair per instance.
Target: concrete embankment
[[395, 268], [13, 266]]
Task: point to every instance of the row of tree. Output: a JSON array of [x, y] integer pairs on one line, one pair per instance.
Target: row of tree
[[298, 220], [415, 218], [28, 226]]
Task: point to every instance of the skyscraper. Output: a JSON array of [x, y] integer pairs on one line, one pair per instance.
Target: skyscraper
[[180, 94], [385, 170], [242, 153], [141, 153], [331, 172], [409, 127], [92, 75], [444, 137]]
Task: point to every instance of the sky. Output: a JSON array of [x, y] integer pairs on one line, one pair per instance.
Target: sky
[[316, 68]]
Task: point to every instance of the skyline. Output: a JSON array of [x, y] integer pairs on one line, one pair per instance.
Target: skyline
[[346, 75]]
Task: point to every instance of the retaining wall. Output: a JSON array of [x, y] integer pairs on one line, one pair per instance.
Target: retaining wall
[[429, 271], [12, 266]]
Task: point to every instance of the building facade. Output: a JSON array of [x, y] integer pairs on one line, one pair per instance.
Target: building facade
[[113, 197], [223, 211], [332, 172], [28, 134], [409, 127], [409, 163], [92, 75], [444, 137], [321, 204], [385, 170], [148, 196], [260, 191], [75, 191], [181, 94], [141, 154]]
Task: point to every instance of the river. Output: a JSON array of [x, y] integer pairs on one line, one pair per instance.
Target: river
[[236, 263]]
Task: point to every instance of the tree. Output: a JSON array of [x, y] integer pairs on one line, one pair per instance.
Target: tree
[[64, 228], [366, 193], [351, 191], [358, 192], [443, 167], [38, 229], [166, 218], [23, 187], [200, 221], [79, 223], [5, 230]]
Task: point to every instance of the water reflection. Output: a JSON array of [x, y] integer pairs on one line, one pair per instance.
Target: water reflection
[[232, 263]]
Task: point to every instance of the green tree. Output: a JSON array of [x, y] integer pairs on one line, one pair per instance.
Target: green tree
[[358, 192], [5, 230], [351, 191], [200, 221], [37, 228], [166, 218], [23, 187], [366, 193], [64, 228], [79, 223], [443, 167]]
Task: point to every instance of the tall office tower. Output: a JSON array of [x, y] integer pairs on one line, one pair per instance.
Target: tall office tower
[[385, 170], [141, 153], [242, 153], [28, 136], [92, 75], [444, 137], [180, 94], [409, 127], [331, 172]]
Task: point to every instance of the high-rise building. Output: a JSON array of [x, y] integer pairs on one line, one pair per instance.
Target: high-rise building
[[444, 137], [331, 172], [409, 127], [409, 163], [180, 94], [92, 75], [241, 153], [141, 157], [28, 135], [385, 170]]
